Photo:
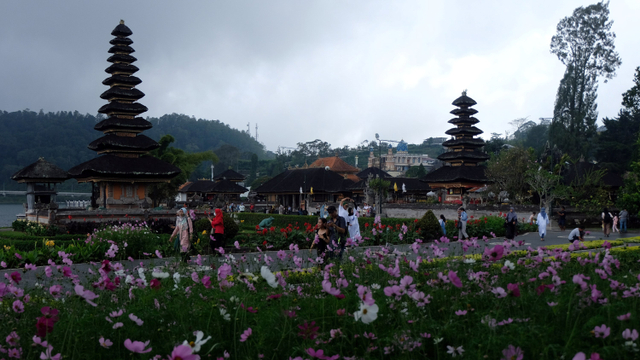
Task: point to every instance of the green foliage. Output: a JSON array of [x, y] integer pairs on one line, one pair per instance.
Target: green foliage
[[230, 227], [34, 228], [201, 225], [380, 186], [62, 137], [508, 171], [584, 43], [187, 162], [416, 171], [429, 226], [629, 196]]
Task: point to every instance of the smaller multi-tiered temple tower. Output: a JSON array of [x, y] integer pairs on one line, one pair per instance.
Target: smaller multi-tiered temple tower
[[121, 174], [464, 152]]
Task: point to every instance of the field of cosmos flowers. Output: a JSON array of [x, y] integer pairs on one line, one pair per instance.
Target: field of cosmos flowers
[[503, 302]]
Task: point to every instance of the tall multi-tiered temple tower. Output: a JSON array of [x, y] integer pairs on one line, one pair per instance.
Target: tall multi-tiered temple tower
[[122, 172], [464, 153]]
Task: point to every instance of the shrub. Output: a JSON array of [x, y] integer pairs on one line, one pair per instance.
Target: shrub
[[429, 227], [230, 227], [18, 225]]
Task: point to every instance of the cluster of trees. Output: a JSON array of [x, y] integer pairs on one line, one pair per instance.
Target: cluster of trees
[[62, 138], [531, 162]]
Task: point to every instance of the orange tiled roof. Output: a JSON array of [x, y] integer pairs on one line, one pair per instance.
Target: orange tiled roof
[[184, 185], [352, 177], [335, 164]]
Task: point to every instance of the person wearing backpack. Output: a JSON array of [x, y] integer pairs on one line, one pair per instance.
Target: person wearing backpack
[[607, 220]]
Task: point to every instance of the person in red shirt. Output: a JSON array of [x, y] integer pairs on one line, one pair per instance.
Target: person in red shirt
[[217, 231]]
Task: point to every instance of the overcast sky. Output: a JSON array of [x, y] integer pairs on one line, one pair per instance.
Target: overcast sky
[[339, 71]]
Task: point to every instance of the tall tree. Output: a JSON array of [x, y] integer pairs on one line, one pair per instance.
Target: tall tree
[[584, 43], [508, 172], [187, 162]]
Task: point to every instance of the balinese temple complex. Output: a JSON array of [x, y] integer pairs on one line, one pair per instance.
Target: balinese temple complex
[[122, 172], [462, 171]]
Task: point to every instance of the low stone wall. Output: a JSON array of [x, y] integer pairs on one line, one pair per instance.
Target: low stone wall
[[451, 211]]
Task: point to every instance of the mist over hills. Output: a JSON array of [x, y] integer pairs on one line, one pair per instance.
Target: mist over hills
[[62, 138]]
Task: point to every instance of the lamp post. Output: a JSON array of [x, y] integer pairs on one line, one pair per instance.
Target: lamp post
[[212, 172], [379, 174]]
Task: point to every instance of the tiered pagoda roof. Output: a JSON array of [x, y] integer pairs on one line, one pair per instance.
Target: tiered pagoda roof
[[464, 150], [123, 149], [41, 171], [230, 174]]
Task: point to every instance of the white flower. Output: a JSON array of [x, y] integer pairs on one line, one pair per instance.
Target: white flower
[[437, 340], [509, 264], [375, 286], [452, 350], [196, 345], [366, 313], [499, 292], [176, 278], [128, 279], [225, 315], [160, 275], [268, 275], [631, 346], [469, 261], [234, 299]]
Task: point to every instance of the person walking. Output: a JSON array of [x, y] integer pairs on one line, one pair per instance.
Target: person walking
[[462, 218], [624, 218], [217, 231], [511, 223], [607, 219], [614, 228], [543, 221], [184, 231], [354, 226], [322, 238], [443, 224], [562, 218]]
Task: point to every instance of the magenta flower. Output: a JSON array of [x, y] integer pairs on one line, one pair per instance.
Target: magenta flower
[[245, 335], [341, 312], [55, 290], [461, 312], [16, 277], [30, 267], [136, 319], [624, 317], [183, 352], [512, 353], [88, 295], [494, 254], [583, 356], [45, 323], [46, 355], [18, 256], [628, 334], [137, 346], [455, 280], [308, 330], [66, 271], [514, 289], [155, 284], [602, 331], [206, 281], [18, 306]]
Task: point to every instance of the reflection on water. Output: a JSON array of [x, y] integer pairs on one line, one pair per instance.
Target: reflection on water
[[8, 213]]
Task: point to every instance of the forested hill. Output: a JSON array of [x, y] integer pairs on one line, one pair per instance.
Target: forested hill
[[62, 138]]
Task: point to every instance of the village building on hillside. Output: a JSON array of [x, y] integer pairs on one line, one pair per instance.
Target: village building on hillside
[[225, 187], [462, 171], [120, 176]]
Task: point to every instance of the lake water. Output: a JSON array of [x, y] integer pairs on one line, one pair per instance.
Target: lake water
[[8, 213]]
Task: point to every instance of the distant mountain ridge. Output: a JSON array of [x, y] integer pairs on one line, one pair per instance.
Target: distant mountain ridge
[[62, 138]]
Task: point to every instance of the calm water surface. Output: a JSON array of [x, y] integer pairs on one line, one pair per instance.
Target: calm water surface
[[8, 213]]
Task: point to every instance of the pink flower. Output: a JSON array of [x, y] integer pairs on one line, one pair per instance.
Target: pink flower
[[155, 284], [461, 312], [18, 256], [183, 352], [206, 281], [18, 306], [86, 294], [341, 312], [602, 331], [45, 323], [137, 346], [630, 335], [30, 267], [583, 356], [47, 354], [117, 325], [55, 290], [158, 254], [308, 330], [494, 254], [13, 338], [624, 317], [455, 280], [512, 353], [245, 335], [136, 319], [38, 341], [105, 343]]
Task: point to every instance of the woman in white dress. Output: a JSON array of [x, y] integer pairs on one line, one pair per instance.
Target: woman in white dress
[[543, 221]]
